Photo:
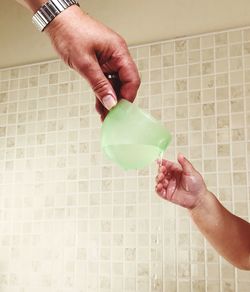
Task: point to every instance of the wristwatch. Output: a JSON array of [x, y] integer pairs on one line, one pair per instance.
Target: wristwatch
[[49, 11]]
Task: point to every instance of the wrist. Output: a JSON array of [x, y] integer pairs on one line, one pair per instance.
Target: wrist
[[202, 203], [31, 4], [50, 11], [68, 16]]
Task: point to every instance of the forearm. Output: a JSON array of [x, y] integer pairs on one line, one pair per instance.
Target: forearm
[[229, 234], [33, 5]]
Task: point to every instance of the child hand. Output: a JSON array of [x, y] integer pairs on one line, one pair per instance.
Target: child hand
[[180, 183]]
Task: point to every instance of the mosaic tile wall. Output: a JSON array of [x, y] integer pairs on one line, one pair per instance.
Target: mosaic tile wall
[[71, 221]]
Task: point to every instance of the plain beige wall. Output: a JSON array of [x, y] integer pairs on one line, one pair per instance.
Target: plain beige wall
[[139, 21]]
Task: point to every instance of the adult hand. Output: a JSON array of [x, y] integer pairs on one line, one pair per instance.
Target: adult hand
[[180, 183], [95, 50]]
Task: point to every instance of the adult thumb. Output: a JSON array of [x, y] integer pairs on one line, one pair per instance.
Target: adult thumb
[[185, 164], [100, 84]]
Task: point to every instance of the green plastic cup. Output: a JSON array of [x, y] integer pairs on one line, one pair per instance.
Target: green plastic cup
[[132, 138]]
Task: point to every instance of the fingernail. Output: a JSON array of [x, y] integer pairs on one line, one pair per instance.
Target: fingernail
[[109, 101]]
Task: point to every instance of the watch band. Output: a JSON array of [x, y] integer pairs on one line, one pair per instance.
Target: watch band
[[49, 11]]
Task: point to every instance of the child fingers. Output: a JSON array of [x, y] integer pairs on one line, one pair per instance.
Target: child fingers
[[165, 183], [163, 194], [162, 169], [159, 187], [161, 161], [164, 163], [159, 177], [161, 191]]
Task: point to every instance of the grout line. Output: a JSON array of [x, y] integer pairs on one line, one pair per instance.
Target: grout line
[[189, 144], [245, 133], [162, 203], [245, 126], [217, 164], [231, 151], [202, 157], [140, 46], [151, 276], [231, 144], [199, 35], [175, 207], [38, 156], [82, 81]]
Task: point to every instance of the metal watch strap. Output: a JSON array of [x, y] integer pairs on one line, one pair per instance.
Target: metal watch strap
[[49, 11]]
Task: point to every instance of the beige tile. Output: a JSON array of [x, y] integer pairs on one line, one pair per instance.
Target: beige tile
[[238, 134], [207, 41], [194, 83], [236, 64], [156, 88], [180, 46], [207, 68], [194, 97], [239, 178], [168, 60], [236, 77], [168, 48], [209, 109], [237, 106], [143, 52], [194, 57], [208, 95], [237, 120], [181, 112], [236, 91], [182, 139], [223, 136], [221, 52], [155, 50], [199, 285], [235, 36], [194, 43], [222, 122], [208, 81], [222, 66], [225, 194], [222, 93], [207, 55], [181, 71], [210, 165], [155, 75], [228, 286], [246, 48], [181, 58], [209, 123], [181, 98], [222, 108], [241, 209], [221, 39], [50, 151], [222, 79], [194, 70], [168, 73], [235, 50], [223, 149], [181, 85], [195, 152], [238, 148], [195, 124], [209, 137]]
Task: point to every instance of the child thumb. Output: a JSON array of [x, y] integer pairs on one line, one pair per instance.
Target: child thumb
[[185, 164]]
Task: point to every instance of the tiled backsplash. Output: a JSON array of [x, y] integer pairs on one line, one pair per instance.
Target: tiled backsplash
[[71, 221]]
